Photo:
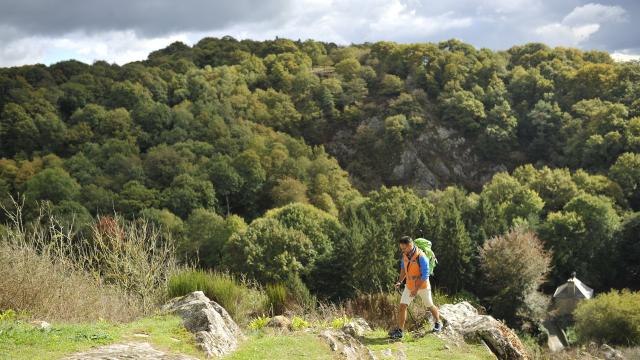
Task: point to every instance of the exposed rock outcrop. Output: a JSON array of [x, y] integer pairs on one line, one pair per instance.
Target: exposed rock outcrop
[[356, 327], [138, 351], [216, 332], [610, 353], [346, 345], [463, 320], [439, 156]]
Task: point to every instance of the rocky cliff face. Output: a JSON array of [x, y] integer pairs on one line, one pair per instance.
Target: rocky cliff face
[[440, 157], [435, 158]]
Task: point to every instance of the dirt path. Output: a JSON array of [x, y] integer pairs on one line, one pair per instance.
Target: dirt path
[[129, 351]]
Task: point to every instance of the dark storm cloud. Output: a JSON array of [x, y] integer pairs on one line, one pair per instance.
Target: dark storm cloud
[[146, 17]]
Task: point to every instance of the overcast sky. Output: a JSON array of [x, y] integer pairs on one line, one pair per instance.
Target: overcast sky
[[48, 31]]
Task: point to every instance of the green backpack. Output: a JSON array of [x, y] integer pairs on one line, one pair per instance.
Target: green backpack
[[425, 246]]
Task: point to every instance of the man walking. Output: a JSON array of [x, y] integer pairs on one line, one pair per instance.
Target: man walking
[[414, 269]]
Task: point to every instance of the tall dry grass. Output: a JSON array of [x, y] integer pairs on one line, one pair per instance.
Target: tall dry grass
[[49, 289], [381, 309], [132, 255], [117, 273]]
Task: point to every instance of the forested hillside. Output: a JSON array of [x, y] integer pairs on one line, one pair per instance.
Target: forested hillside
[[302, 162]]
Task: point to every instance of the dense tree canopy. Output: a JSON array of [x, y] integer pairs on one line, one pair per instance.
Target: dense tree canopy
[[287, 160]]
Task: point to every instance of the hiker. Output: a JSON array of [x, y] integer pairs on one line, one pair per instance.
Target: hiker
[[414, 270]]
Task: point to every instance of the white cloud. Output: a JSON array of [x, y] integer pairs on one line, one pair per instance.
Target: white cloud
[[114, 46], [625, 55], [595, 13], [397, 19], [328, 20], [496, 24], [560, 34], [510, 6], [580, 24], [16, 50], [117, 46], [344, 22]]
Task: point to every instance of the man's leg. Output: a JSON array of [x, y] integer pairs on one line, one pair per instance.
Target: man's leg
[[428, 301], [405, 300], [402, 316], [435, 313]]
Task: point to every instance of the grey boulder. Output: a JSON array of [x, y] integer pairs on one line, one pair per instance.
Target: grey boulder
[[357, 327], [610, 353], [215, 331], [463, 319]]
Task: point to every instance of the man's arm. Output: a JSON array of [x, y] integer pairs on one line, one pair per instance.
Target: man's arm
[[424, 267], [403, 274]]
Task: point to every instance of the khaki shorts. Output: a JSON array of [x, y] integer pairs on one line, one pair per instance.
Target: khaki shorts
[[425, 294]]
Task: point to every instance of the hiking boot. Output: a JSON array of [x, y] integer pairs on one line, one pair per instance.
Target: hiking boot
[[437, 327], [396, 334]]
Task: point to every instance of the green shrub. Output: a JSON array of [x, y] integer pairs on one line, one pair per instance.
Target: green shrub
[[339, 322], [185, 282], [276, 298], [531, 343], [292, 296], [513, 266], [571, 335], [299, 295], [298, 323], [441, 298], [240, 298], [613, 318], [259, 322], [8, 315]]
